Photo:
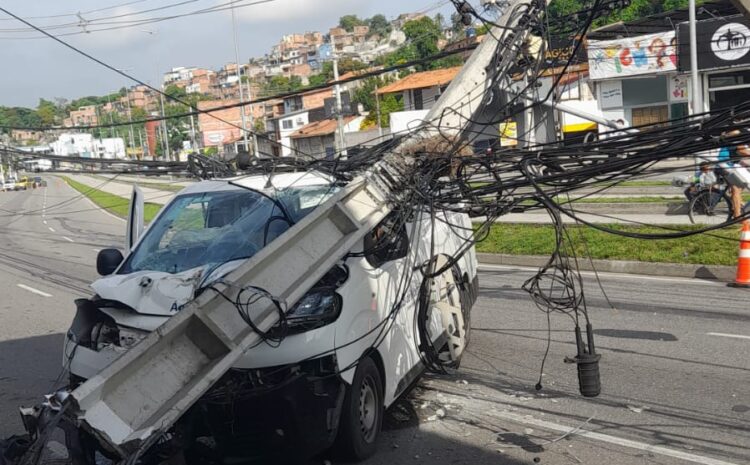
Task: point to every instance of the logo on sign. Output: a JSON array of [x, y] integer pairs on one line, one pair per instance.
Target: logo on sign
[[731, 41]]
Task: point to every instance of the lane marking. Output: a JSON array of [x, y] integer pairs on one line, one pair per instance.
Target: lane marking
[[612, 439], [35, 291], [68, 239], [51, 229], [702, 282], [733, 336]]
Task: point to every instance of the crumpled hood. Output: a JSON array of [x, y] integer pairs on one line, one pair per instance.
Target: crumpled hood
[[151, 292]]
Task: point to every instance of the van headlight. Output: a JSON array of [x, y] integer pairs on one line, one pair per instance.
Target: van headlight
[[319, 307]]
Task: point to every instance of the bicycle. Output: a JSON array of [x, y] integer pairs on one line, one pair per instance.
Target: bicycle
[[713, 205]]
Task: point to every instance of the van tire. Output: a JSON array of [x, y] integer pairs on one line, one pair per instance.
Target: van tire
[[361, 414]]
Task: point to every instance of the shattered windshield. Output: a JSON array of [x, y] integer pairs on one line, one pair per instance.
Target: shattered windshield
[[213, 228]]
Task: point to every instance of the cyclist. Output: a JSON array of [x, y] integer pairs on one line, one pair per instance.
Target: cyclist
[[732, 158]]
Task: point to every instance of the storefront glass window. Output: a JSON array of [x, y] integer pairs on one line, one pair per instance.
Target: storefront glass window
[[644, 91], [735, 78]]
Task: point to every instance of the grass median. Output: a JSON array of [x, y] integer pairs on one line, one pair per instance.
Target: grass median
[[539, 239], [112, 203]]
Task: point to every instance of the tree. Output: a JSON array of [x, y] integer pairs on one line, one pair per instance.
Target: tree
[[422, 37], [175, 91], [47, 112], [440, 20], [379, 25], [388, 104], [349, 21]]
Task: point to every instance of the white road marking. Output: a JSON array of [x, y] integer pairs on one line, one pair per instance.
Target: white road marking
[[35, 291], [612, 439], [612, 275], [96, 250], [51, 229], [733, 336], [68, 239]]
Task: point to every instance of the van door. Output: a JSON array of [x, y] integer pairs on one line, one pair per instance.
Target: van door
[[135, 219]]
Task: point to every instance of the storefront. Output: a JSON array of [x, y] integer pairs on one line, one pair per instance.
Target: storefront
[[723, 59], [637, 81]]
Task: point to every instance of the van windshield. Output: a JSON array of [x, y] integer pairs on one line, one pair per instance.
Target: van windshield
[[213, 228]]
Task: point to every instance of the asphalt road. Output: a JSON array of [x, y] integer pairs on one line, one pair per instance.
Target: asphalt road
[[675, 366]]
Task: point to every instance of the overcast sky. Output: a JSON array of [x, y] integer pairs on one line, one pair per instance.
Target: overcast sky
[[34, 68]]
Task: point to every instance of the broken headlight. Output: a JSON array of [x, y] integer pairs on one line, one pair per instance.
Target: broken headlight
[[319, 307]]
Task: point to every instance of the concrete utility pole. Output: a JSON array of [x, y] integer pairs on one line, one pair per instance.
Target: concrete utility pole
[[165, 136], [340, 140], [695, 87], [130, 120], [239, 80], [377, 109]]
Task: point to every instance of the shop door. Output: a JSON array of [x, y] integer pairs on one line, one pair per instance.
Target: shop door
[[650, 115]]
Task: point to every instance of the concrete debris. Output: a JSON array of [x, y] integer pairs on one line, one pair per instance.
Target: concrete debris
[[635, 409], [462, 381], [440, 413], [528, 431]]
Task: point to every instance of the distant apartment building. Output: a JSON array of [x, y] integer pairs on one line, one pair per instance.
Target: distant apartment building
[[178, 75], [84, 116], [222, 128], [24, 136], [142, 97]]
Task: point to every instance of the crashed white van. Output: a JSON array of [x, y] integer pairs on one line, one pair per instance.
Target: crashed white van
[[348, 349]]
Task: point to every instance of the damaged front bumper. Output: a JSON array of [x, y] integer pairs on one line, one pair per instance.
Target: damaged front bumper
[[275, 414]]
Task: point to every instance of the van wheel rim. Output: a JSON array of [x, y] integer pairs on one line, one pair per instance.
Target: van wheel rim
[[368, 413]]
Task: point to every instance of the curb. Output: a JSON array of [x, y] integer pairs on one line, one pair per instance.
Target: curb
[[679, 270]]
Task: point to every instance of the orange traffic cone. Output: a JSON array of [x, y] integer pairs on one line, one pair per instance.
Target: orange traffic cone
[[743, 264]]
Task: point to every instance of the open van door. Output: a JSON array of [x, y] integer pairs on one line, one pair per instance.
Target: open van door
[[135, 219]]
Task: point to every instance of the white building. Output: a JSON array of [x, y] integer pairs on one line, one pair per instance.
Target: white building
[[85, 146]]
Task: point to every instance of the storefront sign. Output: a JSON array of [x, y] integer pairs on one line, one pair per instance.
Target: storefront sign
[[728, 46], [610, 94], [559, 52], [508, 134], [646, 54], [679, 86]]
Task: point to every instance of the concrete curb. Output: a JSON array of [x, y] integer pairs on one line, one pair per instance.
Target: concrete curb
[[717, 272]]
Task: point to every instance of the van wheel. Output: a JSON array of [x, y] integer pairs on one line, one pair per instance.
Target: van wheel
[[362, 414]]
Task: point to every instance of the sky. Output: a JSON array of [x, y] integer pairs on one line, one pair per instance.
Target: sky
[[34, 67]]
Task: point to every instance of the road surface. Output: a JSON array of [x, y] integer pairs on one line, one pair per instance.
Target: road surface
[[675, 365]]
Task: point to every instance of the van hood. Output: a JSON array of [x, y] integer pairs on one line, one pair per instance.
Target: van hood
[[151, 292], [157, 292]]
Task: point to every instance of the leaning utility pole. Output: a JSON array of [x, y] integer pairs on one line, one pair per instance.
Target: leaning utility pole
[[340, 141]]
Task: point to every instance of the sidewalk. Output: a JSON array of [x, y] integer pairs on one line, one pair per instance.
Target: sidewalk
[[611, 217], [124, 190]]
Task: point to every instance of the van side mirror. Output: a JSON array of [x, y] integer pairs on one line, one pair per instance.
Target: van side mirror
[[108, 260]]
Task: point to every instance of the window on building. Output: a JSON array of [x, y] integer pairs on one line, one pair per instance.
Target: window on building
[[650, 115], [287, 124], [728, 89], [418, 101]]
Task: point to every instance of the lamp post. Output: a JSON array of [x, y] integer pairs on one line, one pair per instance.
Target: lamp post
[[239, 80]]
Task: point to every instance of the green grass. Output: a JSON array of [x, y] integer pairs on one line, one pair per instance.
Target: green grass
[[530, 239], [644, 184], [112, 203], [646, 199], [154, 185]]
